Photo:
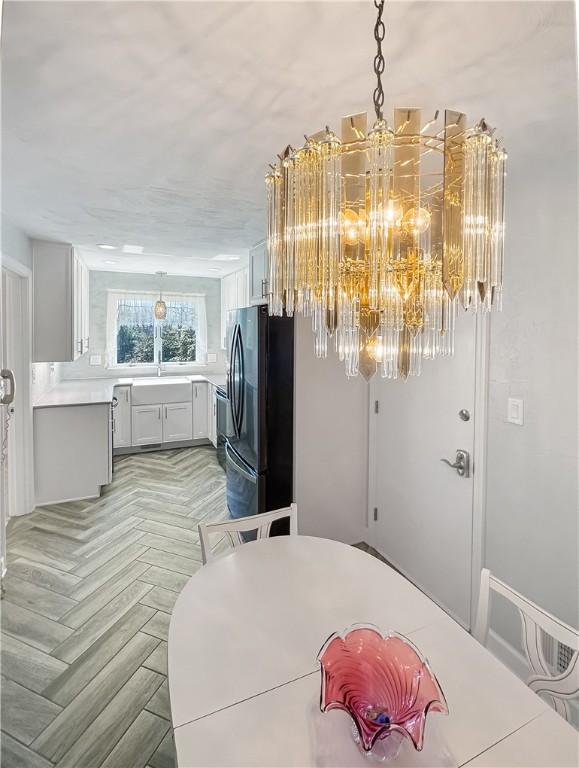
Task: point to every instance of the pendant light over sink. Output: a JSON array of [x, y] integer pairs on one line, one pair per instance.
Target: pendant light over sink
[[381, 235], [160, 309]]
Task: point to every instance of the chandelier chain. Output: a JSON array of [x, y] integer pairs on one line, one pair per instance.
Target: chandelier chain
[[379, 63]]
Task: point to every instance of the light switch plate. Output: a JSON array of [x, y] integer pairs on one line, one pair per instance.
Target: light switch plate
[[211, 357], [515, 411], [95, 359]]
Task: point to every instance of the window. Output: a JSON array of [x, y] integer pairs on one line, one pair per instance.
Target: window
[[135, 337]]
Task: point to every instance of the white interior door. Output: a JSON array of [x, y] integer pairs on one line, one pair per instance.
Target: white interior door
[[424, 523]]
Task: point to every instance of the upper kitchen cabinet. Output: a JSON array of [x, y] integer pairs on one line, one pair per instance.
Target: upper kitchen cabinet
[[258, 273], [234, 295], [61, 301]]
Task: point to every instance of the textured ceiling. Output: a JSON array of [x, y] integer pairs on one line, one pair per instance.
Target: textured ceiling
[[153, 123]]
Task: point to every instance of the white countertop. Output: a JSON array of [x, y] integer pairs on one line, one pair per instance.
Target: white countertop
[[101, 390]]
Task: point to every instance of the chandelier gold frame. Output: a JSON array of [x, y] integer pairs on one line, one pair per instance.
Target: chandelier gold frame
[[380, 236]]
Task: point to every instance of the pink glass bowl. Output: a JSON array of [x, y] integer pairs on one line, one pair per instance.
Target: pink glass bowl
[[381, 681]]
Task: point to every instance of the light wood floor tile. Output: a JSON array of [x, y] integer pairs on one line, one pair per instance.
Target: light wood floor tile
[[16, 755], [140, 741], [160, 516], [102, 575], [82, 611], [164, 578], [103, 734], [160, 598], [28, 666], [90, 565], [165, 756], [157, 661], [165, 544], [38, 599], [95, 627], [160, 704], [79, 674], [91, 585], [44, 575], [169, 531], [158, 625], [170, 562], [24, 713], [32, 628], [71, 723]]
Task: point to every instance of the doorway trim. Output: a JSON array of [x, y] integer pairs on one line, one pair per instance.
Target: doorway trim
[[25, 274], [479, 469]]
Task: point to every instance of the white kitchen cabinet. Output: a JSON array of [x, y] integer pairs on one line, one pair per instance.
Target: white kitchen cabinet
[[61, 303], [234, 295], [200, 410], [177, 422], [72, 452], [258, 273], [212, 414], [242, 287], [147, 424], [122, 437]]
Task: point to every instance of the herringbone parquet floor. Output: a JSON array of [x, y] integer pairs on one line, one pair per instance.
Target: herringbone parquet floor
[[89, 592]]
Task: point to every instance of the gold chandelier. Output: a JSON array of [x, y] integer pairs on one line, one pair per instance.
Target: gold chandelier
[[380, 236]]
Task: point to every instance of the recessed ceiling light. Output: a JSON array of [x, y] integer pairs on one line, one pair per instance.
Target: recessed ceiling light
[[107, 247], [213, 269], [108, 261], [226, 257], [137, 249]]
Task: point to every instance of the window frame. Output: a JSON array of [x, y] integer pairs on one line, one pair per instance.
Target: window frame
[[114, 295]]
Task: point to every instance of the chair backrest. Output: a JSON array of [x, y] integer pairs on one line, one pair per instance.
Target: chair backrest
[[536, 624], [233, 529]]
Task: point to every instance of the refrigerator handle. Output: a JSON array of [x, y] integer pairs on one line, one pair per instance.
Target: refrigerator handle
[[238, 468], [232, 371], [241, 404]]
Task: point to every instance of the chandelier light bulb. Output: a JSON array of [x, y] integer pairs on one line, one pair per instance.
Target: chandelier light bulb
[[416, 221]]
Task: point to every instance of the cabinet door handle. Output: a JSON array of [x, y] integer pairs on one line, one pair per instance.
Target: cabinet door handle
[[166, 411], [159, 412], [263, 288]]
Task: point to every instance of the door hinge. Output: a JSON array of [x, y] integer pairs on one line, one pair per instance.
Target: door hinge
[[376, 406], [375, 514]]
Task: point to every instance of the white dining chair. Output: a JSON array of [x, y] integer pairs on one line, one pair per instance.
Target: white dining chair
[[557, 687], [233, 529]]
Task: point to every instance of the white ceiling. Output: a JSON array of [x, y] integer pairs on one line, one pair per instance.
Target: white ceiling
[[153, 123]]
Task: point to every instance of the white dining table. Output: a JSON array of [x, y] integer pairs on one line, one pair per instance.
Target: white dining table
[[244, 680]]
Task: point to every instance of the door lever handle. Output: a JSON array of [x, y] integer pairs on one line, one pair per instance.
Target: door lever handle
[[461, 463]]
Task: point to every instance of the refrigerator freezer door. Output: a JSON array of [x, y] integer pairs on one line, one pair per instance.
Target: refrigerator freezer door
[[245, 488], [247, 385]]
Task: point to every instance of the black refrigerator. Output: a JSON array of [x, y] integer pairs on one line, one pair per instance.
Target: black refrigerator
[[260, 390]]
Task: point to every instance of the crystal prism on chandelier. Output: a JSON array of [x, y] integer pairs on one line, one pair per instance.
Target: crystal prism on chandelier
[[381, 235]]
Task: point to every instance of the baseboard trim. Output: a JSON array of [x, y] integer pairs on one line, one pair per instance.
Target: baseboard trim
[[508, 654], [65, 501], [134, 449]]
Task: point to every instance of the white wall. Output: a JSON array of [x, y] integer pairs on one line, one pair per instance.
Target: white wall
[[331, 444], [532, 526], [16, 245]]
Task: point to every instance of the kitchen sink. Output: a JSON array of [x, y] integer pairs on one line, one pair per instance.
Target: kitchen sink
[[161, 389]]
